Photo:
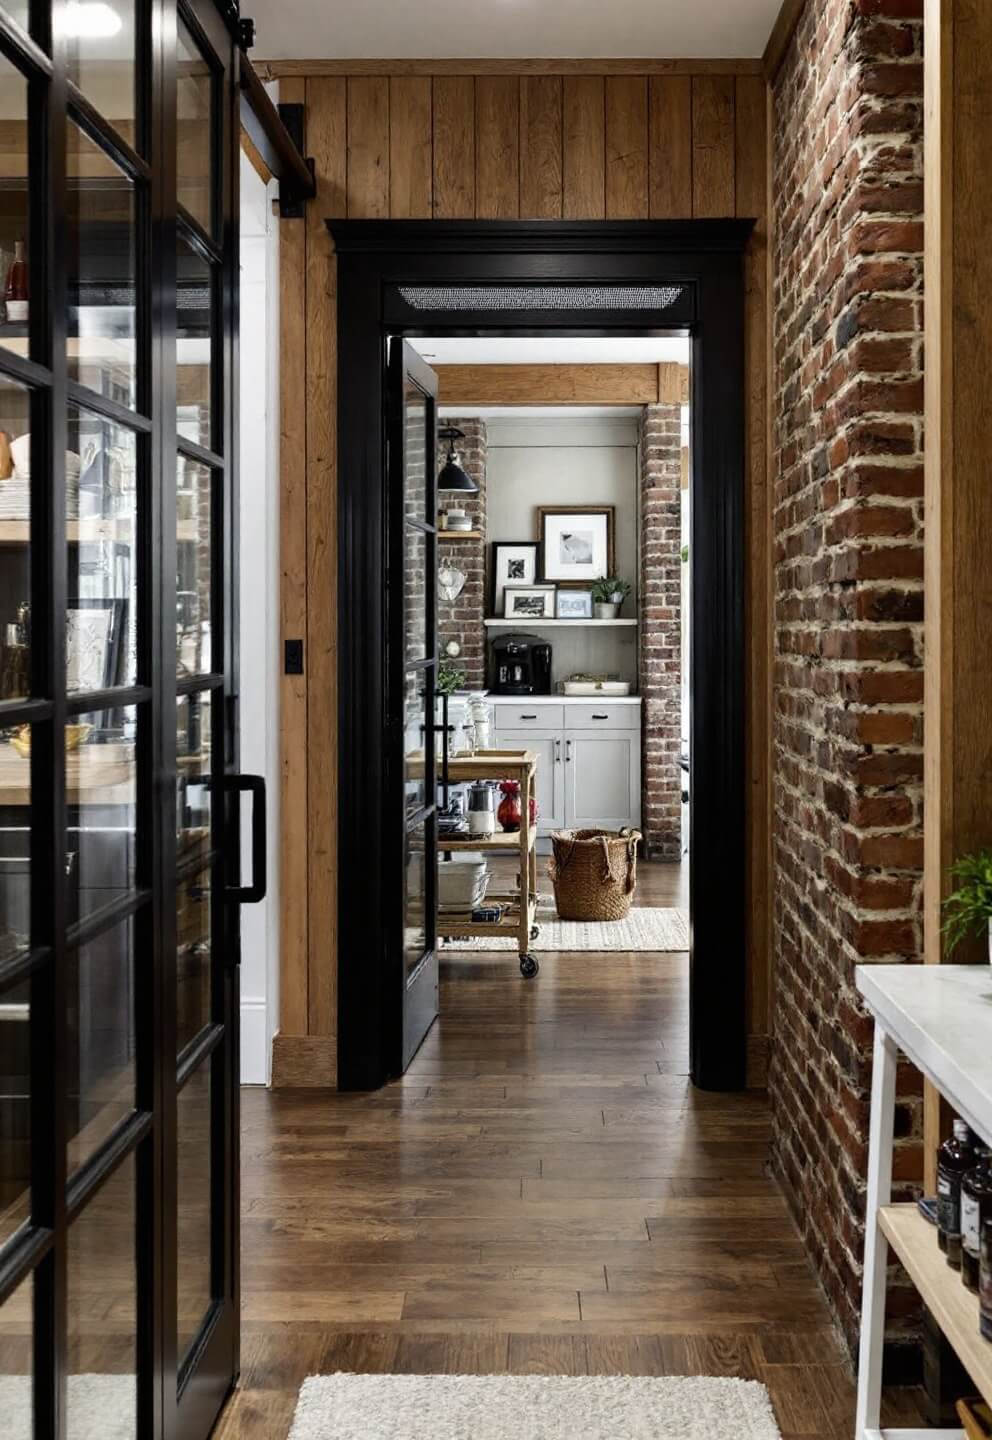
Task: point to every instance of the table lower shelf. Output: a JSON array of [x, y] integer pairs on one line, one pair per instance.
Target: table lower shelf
[[953, 1306]]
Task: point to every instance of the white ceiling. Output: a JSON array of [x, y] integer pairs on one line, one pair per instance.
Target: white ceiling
[[535, 350], [509, 29]]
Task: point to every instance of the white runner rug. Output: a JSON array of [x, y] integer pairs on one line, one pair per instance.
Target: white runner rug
[[532, 1407], [646, 928]]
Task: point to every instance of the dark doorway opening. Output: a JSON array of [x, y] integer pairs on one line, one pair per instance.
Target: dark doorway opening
[[408, 279]]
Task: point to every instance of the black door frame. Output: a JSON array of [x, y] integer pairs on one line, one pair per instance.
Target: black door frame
[[702, 262]]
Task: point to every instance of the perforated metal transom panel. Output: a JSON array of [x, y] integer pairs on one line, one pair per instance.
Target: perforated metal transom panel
[[541, 297]]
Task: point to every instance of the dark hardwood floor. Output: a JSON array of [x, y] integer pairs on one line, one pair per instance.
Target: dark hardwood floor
[[542, 1192]]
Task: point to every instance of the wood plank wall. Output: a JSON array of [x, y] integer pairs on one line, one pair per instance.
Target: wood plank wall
[[957, 578], [680, 140]]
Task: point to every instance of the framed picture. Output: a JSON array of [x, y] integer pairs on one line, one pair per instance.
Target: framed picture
[[514, 562], [529, 602], [574, 605], [577, 544], [93, 633]]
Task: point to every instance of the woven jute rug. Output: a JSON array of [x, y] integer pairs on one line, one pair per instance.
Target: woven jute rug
[[646, 928]]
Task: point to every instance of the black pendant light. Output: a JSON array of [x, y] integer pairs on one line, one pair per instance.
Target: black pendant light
[[452, 476]]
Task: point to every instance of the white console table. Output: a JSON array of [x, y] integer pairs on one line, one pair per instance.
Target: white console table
[[940, 1016]]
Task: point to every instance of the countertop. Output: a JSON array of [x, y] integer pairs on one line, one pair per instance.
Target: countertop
[[941, 1015], [597, 699]]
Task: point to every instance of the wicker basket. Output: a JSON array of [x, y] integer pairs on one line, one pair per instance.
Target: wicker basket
[[594, 873]]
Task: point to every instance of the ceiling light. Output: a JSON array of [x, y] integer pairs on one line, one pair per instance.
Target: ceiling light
[[452, 476], [91, 20]]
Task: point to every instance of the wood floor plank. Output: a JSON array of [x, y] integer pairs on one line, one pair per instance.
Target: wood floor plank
[[543, 1192]]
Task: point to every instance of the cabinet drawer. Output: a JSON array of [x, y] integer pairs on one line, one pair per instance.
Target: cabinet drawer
[[603, 716], [527, 715]]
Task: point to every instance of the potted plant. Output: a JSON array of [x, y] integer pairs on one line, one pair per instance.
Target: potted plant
[[968, 911], [608, 594]]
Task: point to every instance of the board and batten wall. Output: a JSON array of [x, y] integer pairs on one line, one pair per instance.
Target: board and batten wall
[[491, 140]]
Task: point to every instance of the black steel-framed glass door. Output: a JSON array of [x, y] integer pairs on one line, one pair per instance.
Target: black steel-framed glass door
[[412, 670], [118, 672]]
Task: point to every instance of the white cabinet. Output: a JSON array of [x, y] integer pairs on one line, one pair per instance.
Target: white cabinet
[[589, 765], [602, 779], [549, 749]]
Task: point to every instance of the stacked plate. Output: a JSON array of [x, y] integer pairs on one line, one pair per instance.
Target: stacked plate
[[461, 882]]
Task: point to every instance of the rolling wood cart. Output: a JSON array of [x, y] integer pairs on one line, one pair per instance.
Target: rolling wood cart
[[495, 765]]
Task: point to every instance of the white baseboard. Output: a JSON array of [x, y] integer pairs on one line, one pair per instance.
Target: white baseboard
[[254, 1043]]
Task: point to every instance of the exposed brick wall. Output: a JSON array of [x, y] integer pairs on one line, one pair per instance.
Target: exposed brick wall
[[660, 659], [462, 621], [848, 518]]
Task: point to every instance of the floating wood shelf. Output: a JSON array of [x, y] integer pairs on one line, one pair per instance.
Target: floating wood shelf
[[538, 624], [459, 535]]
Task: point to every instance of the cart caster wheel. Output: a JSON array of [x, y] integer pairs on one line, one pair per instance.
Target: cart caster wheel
[[528, 967], [535, 930]]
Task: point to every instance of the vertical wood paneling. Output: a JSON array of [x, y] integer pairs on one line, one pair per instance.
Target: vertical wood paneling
[[584, 147], [410, 147], [540, 147], [368, 147], [671, 146], [958, 518], [454, 147], [751, 198], [327, 143], [406, 145], [626, 105], [293, 605], [497, 147], [713, 145]]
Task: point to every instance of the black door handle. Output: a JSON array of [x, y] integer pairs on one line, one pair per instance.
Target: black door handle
[[254, 785]]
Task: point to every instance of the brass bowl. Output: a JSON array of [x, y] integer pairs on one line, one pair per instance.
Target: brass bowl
[[74, 737]]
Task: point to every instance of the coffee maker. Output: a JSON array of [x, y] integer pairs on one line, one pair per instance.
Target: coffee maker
[[521, 665]]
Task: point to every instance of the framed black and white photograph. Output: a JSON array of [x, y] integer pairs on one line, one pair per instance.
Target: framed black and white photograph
[[574, 605], [94, 630], [576, 543], [529, 602], [514, 562]]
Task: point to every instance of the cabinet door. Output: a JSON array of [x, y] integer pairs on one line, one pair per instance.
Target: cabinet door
[[549, 747], [602, 779]]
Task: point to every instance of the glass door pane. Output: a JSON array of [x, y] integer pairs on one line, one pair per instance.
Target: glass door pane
[[413, 677]]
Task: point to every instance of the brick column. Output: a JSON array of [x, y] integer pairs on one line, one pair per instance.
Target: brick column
[[462, 621], [848, 558], [660, 656]]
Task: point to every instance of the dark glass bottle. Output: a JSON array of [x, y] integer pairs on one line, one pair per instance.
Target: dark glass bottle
[[976, 1208], [954, 1157], [985, 1281], [16, 287]]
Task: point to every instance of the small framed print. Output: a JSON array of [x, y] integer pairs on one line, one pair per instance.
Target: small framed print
[[574, 605], [514, 562], [577, 544], [529, 602]]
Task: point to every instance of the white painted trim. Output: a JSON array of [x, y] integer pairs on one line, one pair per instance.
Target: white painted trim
[[255, 1049]]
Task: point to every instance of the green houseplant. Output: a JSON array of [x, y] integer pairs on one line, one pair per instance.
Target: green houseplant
[[608, 594], [968, 910]]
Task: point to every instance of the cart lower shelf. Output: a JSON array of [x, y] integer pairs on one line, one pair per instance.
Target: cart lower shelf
[[463, 927]]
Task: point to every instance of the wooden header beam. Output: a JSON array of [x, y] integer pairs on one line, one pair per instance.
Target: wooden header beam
[[563, 384]]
